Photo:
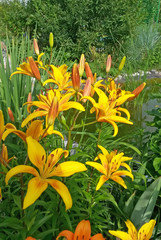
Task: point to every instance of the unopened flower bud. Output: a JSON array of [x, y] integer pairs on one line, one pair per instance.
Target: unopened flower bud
[[75, 77], [36, 47], [10, 113], [53, 112], [137, 91], [29, 98], [87, 89], [81, 65], [63, 119], [51, 40], [89, 73], [122, 63], [108, 64], [34, 68]]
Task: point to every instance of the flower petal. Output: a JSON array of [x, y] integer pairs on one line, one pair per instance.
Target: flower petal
[[131, 229], [119, 180], [62, 191], [67, 234], [101, 181], [98, 237], [67, 169], [104, 151], [36, 152], [33, 115], [36, 187], [146, 230], [35, 129], [83, 230], [97, 166], [121, 235], [123, 172], [71, 104], [19, 133], [20, 169]]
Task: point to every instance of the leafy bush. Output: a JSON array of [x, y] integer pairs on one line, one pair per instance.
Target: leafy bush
[[77, 25]]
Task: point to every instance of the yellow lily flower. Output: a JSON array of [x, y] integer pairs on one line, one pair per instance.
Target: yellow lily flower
[[48, 168], [109, 167], [30, 67], [82, 232], [144, 233], [4, 156], [50, 106], [60, 77], [107, 111], [35, 130], [4, 127]]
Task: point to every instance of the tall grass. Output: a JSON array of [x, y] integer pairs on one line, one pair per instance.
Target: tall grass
[[14, 92]]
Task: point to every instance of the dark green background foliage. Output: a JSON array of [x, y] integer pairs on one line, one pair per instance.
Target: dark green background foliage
[[77, 25]]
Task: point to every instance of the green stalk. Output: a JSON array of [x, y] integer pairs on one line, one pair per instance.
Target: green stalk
[[22, 196], [98, 139]]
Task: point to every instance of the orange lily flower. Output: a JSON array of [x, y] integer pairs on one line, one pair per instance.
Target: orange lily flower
[[82, 232], [4, 156], [107, 111], [50, 106], [35, 130], [3, 127], [60, 77], [48, 168], [144, 233], [30, 68], [109, 167]]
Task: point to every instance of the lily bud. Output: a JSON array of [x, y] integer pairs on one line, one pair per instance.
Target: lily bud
[[36, 47], [122, 63], [29, 98], [89, 73], [81, 65], [87, 89], [10, 113], [75, 77], [108, 64], [63, 119], [34, 68], [53, 112], [137, 91], [51, 40], [112, 85]]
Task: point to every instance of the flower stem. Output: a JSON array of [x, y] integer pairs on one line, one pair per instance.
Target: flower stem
[[22, 196]]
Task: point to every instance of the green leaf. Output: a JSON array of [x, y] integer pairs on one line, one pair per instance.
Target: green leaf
[[130, 146], [129, 205], [157, 164], [144, 208], [11, 222], [39, 223]]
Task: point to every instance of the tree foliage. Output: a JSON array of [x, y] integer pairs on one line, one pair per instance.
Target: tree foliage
[[77, 25]]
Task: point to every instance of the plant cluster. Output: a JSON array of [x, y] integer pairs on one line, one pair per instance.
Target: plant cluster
[[78, 25], [56, 158]]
